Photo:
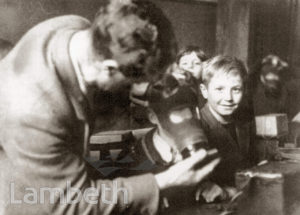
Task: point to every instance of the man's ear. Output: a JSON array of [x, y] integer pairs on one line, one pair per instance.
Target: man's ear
[[152, 117], [110, 65], [204, 90]]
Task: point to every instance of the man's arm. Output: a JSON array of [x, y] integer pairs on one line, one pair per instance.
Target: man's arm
[[45, 160]]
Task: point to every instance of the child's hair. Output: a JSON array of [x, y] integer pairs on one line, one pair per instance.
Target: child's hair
[[188, 50], [224, 64]]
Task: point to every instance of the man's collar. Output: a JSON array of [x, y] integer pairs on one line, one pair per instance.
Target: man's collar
[[66, 72], [76, 66]]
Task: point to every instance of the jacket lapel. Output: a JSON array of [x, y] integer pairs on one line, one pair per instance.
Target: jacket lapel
[[214, 126], [242, 130], [66, 73], [68, 77], [243, 134]]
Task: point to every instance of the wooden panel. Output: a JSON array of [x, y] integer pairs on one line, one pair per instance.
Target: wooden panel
[[271, 24], [295, 37], [252, 29], [233, 26], [194, 22], [105, 137]]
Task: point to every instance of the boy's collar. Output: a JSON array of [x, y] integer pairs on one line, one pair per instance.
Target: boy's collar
[[218, 117]]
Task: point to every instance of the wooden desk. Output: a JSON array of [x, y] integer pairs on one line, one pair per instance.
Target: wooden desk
[[103, 142], [197, 209], [282, 197], [112, 140], [274, 192], [277, 196]]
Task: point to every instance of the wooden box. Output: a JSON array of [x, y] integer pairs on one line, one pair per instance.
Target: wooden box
[[271, 125]]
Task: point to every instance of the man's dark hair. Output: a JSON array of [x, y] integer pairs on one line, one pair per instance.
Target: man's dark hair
[[124, 26], [5, 47]]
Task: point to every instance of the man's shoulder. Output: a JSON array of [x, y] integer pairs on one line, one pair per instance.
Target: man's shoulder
[[38, 40], [71, 21], [50, 26]]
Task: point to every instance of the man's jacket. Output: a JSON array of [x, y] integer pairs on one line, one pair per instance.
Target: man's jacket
[[43, 136]]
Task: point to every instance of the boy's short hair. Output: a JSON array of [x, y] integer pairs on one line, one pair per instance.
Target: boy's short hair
[[224, 64], [150, 31], [188, 50]]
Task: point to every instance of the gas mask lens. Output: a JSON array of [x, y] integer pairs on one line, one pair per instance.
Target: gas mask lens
[[178, 116]]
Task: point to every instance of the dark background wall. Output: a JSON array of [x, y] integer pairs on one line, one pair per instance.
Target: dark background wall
[[233, 28], [271, 29], [194, 23], [248, 29], [294, 50], [252, 29], [17, 16]]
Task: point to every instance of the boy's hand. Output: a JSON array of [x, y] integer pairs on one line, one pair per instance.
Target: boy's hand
[[183, 173], [210, 192]]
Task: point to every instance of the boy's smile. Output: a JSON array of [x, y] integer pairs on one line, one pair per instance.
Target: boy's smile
[[224, 93]]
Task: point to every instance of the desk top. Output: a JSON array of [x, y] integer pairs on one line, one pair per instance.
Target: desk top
[[204, 209], [270, 197], [290, 170], [117, 136]]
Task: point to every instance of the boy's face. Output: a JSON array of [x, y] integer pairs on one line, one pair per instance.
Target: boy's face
[[224, 93], [191, 63]]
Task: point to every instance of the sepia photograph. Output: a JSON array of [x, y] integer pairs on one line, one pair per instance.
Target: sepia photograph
[[145, 107]]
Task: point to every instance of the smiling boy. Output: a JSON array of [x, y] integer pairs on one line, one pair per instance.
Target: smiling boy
[[223, 86]]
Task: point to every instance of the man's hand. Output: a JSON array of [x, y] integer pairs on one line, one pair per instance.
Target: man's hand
[[183, 173]]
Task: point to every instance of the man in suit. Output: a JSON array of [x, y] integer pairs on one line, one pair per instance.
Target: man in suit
[[47, 88]]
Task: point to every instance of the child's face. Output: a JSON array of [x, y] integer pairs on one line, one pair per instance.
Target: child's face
[[224, 93], [191, 63]]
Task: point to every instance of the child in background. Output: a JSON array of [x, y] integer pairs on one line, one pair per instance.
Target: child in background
[[189, 66], [223, 86], [190, 60]]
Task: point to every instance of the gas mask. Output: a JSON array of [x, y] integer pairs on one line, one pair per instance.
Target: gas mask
[[175, 106], [272, 84], [272, 68]]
